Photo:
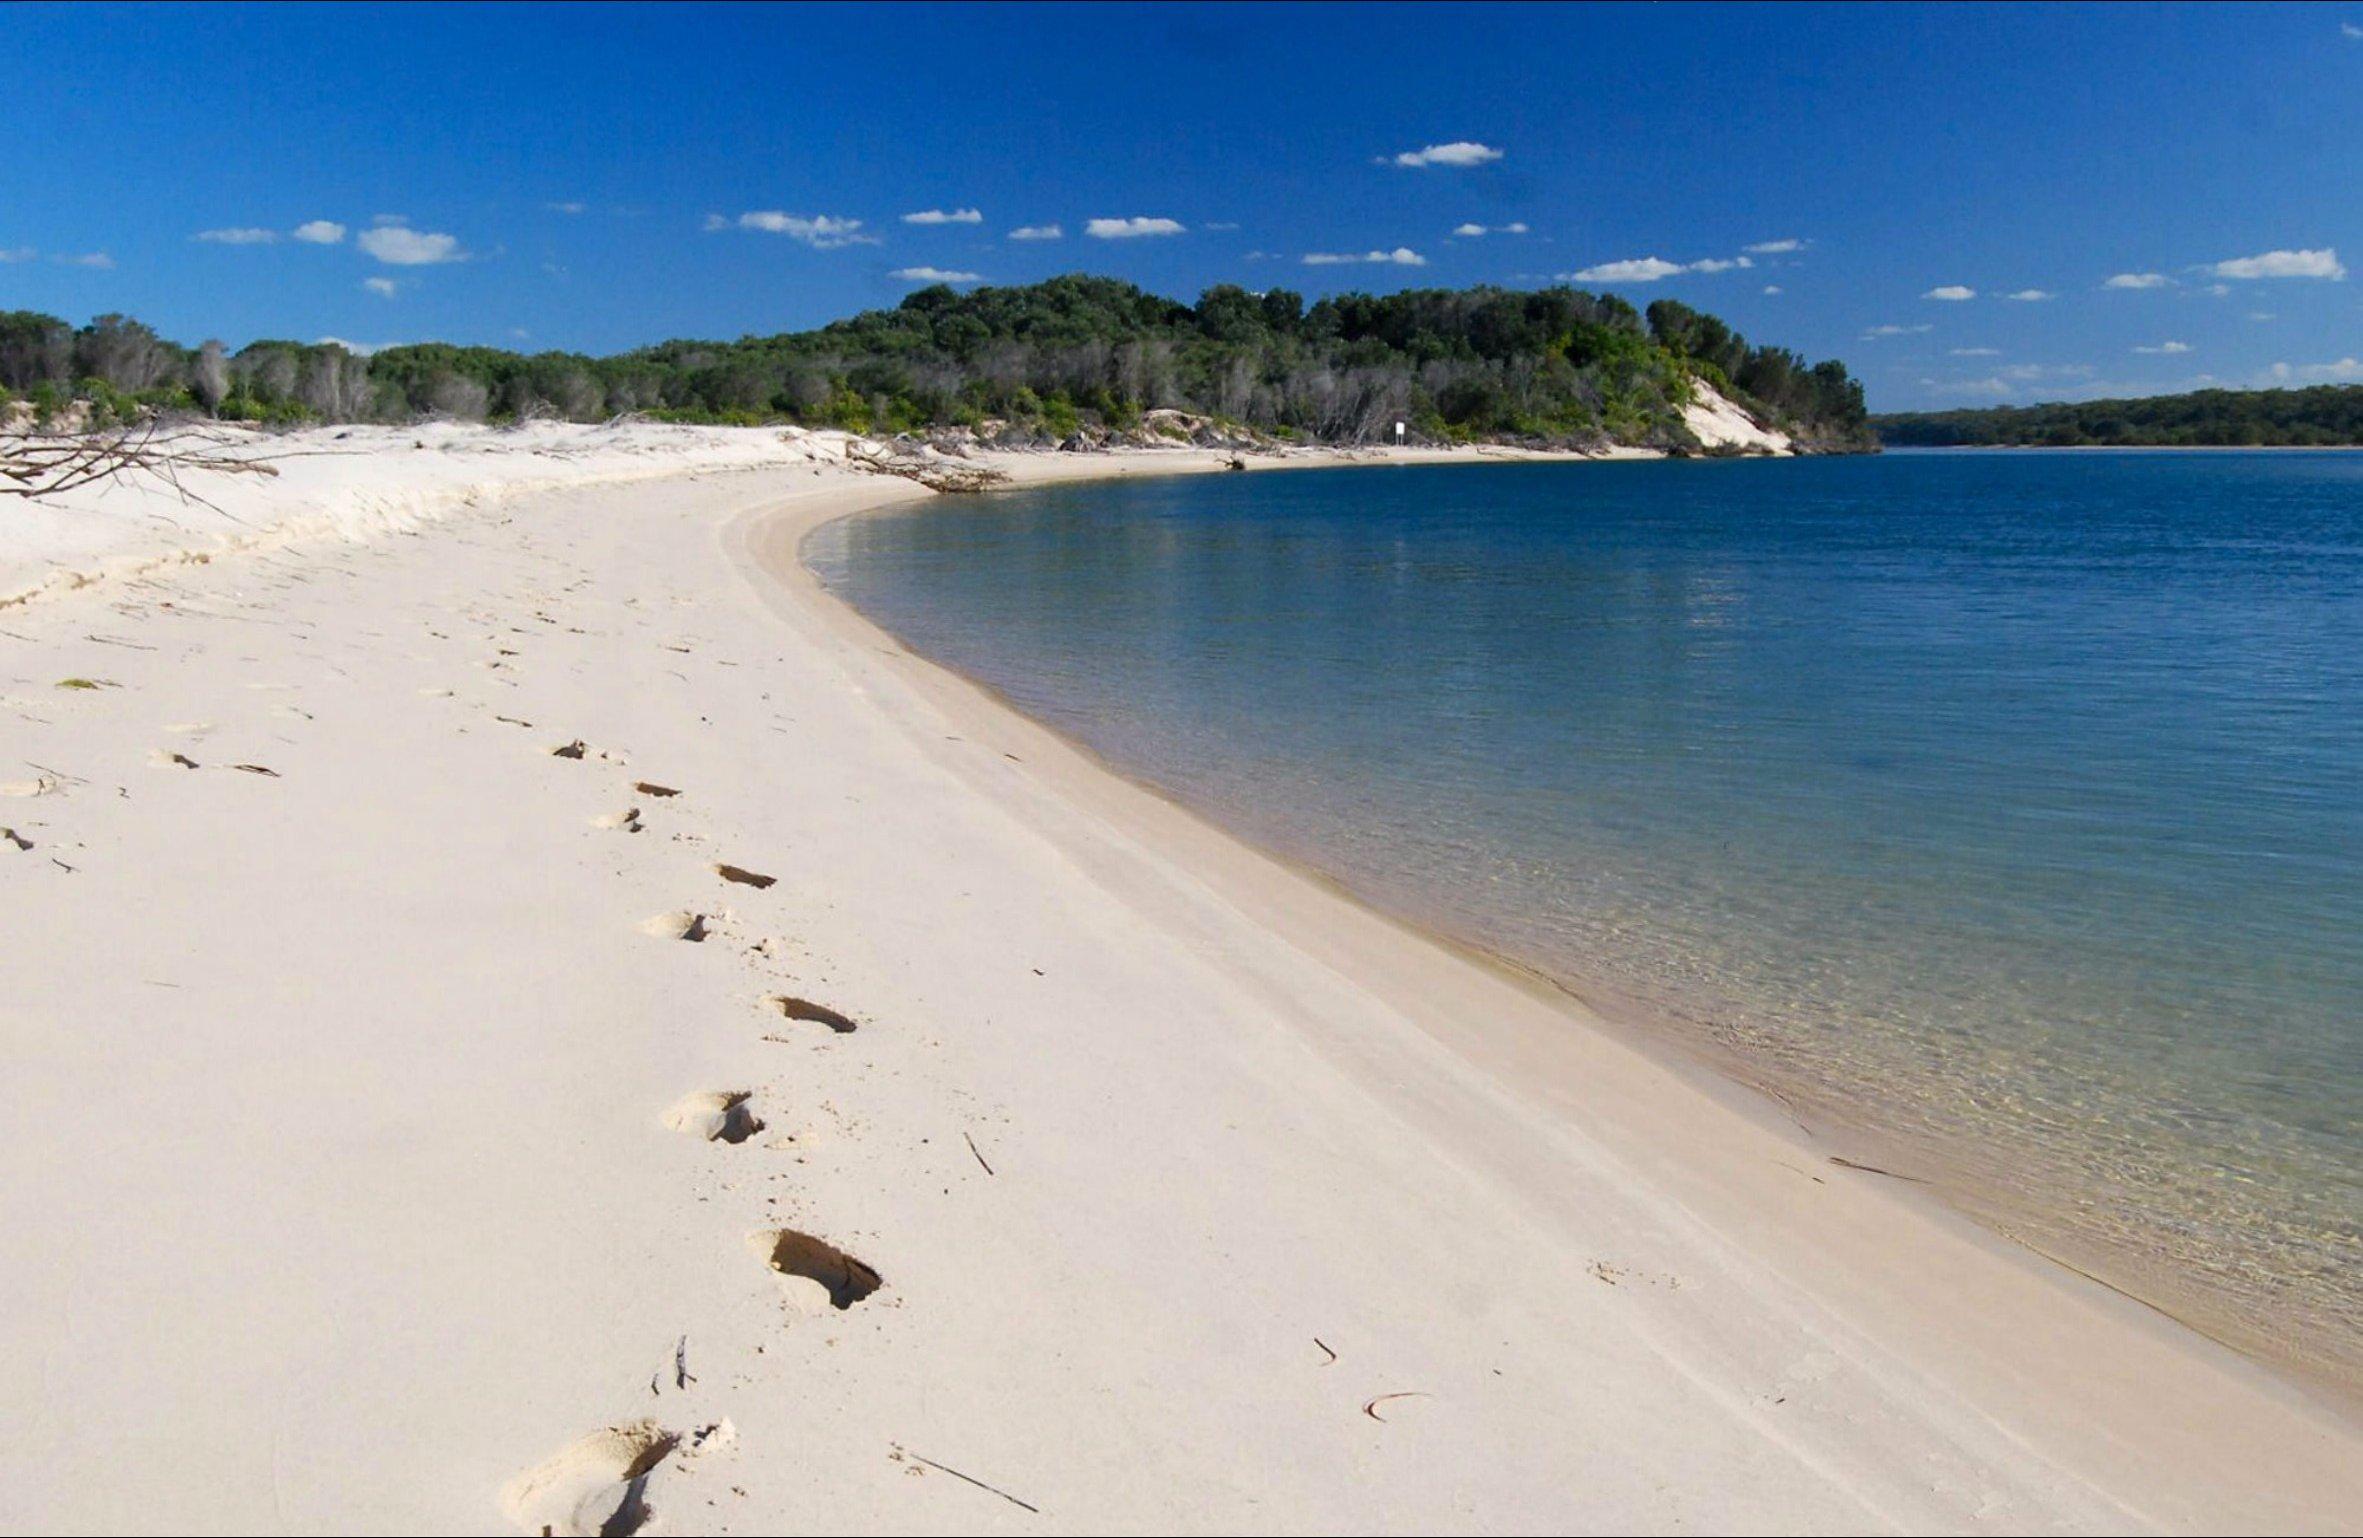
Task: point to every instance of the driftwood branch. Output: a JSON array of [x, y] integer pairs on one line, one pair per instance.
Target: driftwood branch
[[934, 474], [46, 467]]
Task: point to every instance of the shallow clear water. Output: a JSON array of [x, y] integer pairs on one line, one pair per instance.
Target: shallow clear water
[[2001, 811]]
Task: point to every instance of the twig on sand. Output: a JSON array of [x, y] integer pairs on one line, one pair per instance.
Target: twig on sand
[[1325, 1346], [972, 1148], [901, 1451], [1873, 1169], [1370, 1407]]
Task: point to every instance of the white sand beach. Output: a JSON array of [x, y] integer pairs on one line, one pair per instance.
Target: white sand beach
[[525, 1014]]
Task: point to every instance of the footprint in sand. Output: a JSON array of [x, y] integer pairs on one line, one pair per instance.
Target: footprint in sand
[[40, 787], [679, 925], [717, 1115], [628, 820], [815, 1276], [578, 749], [597, 1485], [814, 1014], [161, 758]]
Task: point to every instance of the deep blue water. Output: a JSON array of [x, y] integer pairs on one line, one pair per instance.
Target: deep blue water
[[2001, 811]]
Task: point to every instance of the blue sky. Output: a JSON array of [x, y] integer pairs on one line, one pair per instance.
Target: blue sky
[[606, 177]]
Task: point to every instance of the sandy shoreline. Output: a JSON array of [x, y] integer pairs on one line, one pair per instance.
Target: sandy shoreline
[[1830, 1126], [344, 1194]]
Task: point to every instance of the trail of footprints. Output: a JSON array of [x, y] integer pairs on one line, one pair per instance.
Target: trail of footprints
[[600, 1482]]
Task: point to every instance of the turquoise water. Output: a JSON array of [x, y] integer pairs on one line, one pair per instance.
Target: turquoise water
[[2003, 813]]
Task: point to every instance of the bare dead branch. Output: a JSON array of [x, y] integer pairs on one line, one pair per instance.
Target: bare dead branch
[[32, 466], [934, 474]]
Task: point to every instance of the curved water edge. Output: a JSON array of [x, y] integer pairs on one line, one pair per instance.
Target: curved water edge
[[2005, 811]]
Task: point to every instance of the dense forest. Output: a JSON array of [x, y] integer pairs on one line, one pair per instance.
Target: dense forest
[[1038, 364], [2322, 416]]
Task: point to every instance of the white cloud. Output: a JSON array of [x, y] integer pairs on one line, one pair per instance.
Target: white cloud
[[97, 259], [2284, 264], [1128, 229], [357, 349], [1639, 269], [1775, 247], [931, 275], [2344, 371], [1474, 231], [1977, 352], [1648, 269], [18, 254], [1038, 232], [1401, 256], [2031, 295], [239, 237], [2138, 280], [398, 245], [1951, 292], [2350, 31], [1879, 331], [1772, 288], [1460, 152], [2067, 381], [2165, 349], [564, 208], [944, 216], [822, 232], [384, 288], [1969, 386], [320, 232], [1221, 227]]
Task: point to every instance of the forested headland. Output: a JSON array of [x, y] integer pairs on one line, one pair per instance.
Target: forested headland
[[1048, 363], [2320, 416]]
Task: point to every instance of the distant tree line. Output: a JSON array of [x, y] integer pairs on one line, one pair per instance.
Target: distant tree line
[[2321, 416], [1034, 363]]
